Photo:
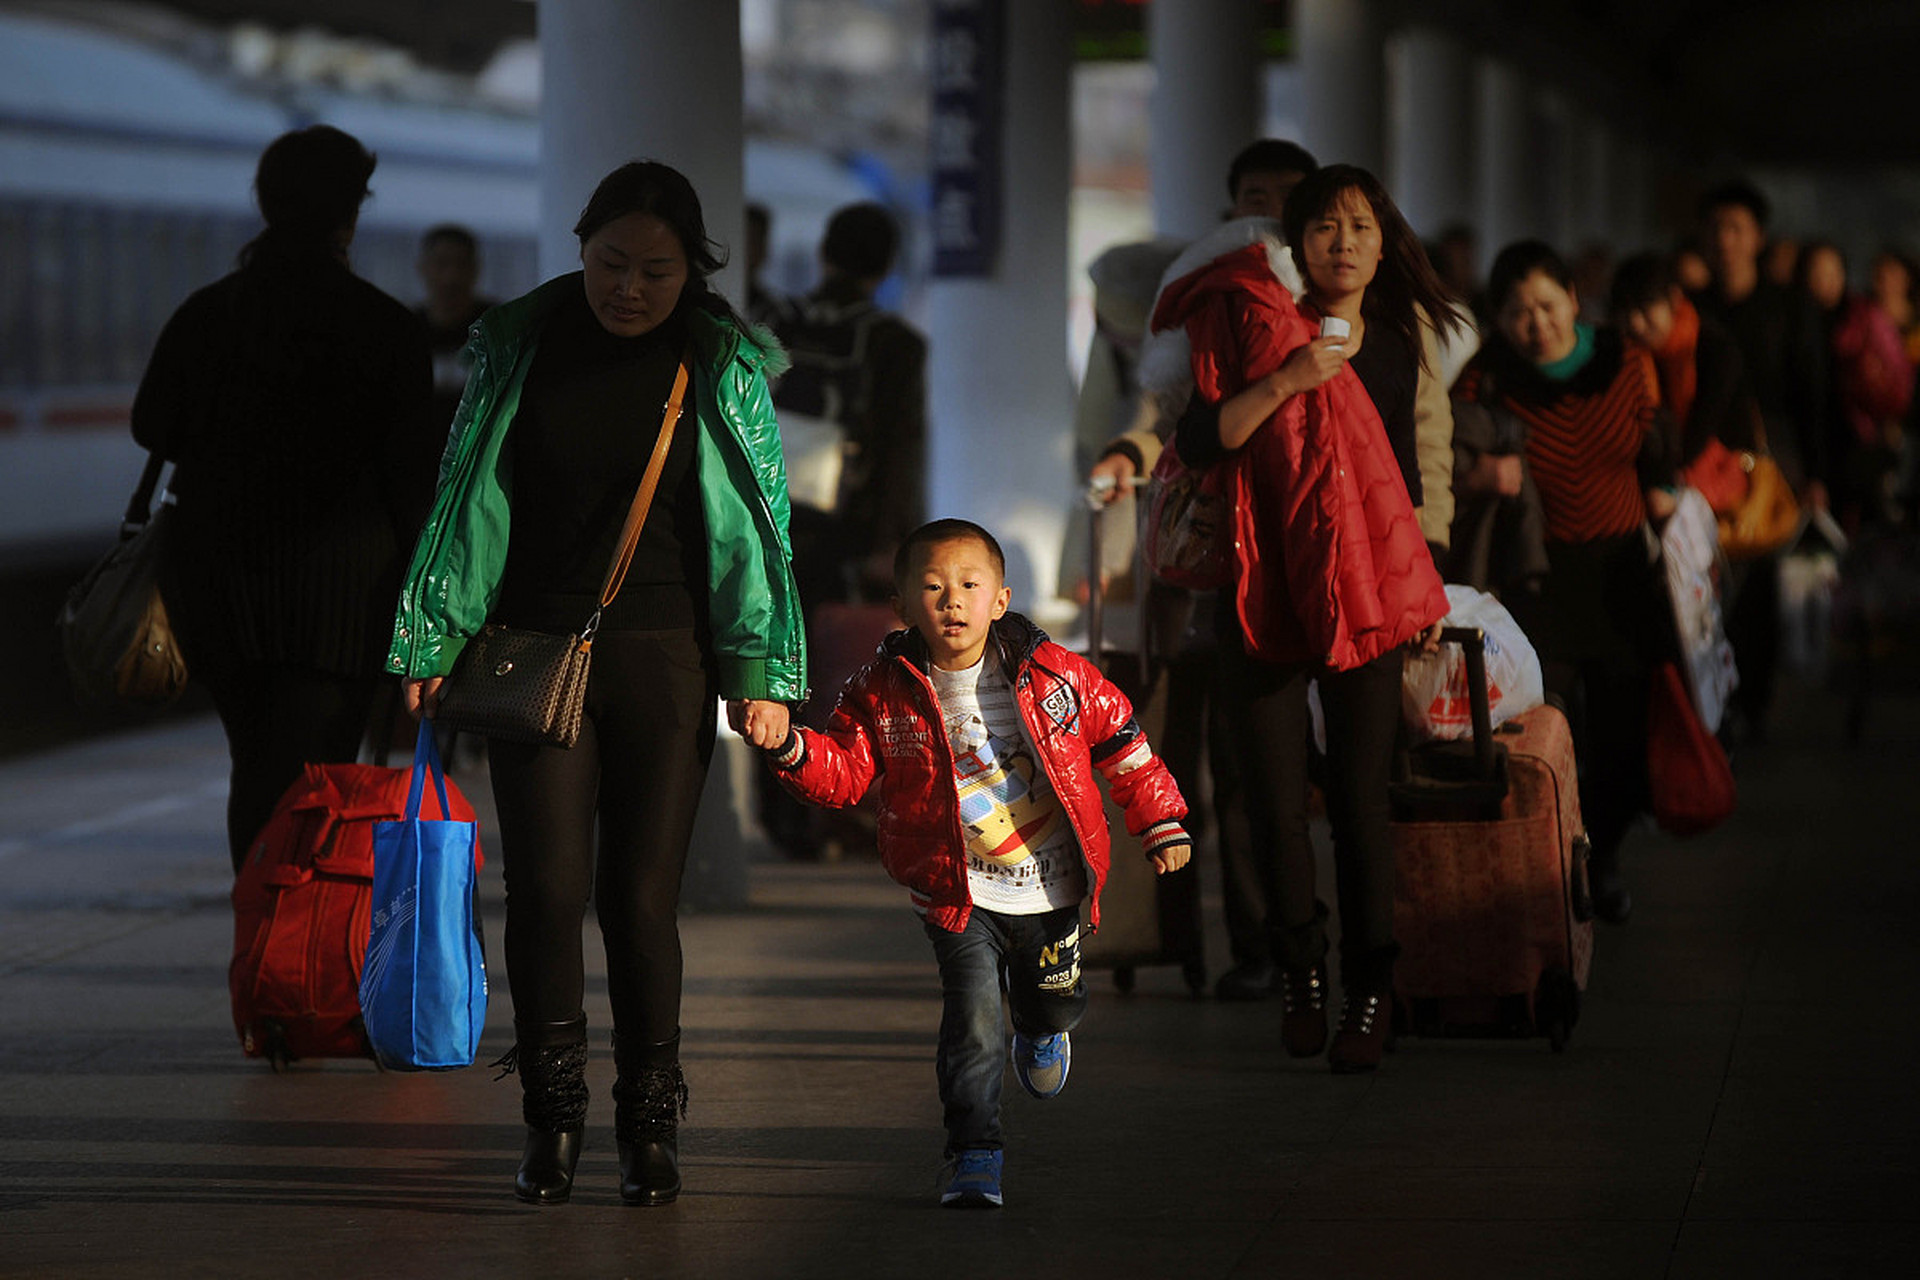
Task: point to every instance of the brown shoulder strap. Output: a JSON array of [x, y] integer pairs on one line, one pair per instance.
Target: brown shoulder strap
[[637, 514]]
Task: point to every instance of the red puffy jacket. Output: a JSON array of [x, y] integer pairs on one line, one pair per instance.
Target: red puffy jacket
[[1332, 565], [887, 725]]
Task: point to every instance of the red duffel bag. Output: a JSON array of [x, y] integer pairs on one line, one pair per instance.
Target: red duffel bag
[[1687, 769], [301, 912]]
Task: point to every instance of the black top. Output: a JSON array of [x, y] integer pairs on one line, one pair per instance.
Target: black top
[[1389, 371], [1723, 402], [294, 398], [1785, 353], [866, 369], [589, 415]]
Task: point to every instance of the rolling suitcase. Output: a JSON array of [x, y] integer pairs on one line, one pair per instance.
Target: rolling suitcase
[[1146, 920], [1491, 907]]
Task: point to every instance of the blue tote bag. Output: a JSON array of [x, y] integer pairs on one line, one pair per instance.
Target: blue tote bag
[[423, 993]]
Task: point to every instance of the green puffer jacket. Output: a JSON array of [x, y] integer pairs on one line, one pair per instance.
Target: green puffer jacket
[[453, 580]]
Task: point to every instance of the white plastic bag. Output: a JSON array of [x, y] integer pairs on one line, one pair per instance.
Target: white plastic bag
[[1690, 549], [1433, 693]]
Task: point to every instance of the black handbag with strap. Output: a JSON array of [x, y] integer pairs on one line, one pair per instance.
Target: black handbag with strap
[[522, 685], [114, 632]]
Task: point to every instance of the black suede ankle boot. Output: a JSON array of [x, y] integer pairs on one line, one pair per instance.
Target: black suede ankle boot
[[649, 1098], [551, 1059]]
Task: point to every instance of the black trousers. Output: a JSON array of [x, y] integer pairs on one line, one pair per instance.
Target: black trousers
[[636, 775], [278, 718], [1599, 625], [1266, 706]]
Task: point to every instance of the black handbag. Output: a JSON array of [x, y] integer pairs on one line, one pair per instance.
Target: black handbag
[[114, 632], [521, 685]]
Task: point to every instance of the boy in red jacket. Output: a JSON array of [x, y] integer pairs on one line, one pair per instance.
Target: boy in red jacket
[[984, 736]]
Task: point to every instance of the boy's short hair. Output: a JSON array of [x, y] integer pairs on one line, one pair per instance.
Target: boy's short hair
[[1738, 193], [944, 531]]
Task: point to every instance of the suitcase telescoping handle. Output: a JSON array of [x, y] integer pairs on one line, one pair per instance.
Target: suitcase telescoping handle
[[1473, 646]]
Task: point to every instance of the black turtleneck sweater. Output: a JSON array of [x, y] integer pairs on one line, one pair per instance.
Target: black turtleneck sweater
[[588, 418]]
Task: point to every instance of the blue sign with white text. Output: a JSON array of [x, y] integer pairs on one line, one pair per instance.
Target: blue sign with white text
[[965, 135]]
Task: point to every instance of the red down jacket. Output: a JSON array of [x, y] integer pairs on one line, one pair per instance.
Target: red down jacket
[[1332, 564], [888, 726]]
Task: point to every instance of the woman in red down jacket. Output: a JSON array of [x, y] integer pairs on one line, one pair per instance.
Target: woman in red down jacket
[[1333, 577]]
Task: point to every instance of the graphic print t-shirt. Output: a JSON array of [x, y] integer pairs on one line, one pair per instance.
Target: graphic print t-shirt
[[1022, 857]]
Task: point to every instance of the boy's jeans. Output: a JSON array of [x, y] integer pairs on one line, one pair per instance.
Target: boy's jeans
[[1039, 956]]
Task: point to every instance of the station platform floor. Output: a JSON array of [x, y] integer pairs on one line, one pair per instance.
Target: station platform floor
[[1737, 1100]]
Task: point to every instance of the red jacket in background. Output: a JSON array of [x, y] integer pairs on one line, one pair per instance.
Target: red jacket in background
[[1332, 565], [887, 727]]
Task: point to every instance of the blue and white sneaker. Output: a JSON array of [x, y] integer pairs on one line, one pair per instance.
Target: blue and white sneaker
[[976, 1181], [1041, 1062]]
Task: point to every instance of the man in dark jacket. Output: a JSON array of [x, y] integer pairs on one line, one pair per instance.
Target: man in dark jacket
[[1787, 365], [858, 388]]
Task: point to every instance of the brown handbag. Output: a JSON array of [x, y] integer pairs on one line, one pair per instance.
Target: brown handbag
[[521, 685], [114, 632], [1767, 518]]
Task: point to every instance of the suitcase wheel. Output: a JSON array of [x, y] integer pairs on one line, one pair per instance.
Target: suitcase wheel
[[1582, 888], [273, 1046], [1123, 978], [1556, 1007]]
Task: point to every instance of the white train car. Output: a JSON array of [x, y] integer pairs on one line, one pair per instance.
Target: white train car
[[126, 166]]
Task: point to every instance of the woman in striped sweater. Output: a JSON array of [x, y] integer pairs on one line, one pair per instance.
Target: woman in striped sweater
[[1600, 451]]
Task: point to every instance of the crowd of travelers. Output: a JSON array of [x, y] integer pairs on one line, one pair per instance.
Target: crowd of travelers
[[1519, 434]]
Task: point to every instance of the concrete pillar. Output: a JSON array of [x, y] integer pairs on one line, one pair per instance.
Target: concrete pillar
[[623, 81], [1502, 196], [619, 82], [1342, 80], [1430, 170], [1000, 403], [1206, 106]]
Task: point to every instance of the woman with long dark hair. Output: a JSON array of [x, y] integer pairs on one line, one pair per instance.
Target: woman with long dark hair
[[1334, 578], [561, 413], [1601, 455], [294, 400]]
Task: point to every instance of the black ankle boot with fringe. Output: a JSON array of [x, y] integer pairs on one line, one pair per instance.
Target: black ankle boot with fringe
[[649, 1099], [551, 1060]]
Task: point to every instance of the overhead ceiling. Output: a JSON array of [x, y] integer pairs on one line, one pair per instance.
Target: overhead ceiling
[[1813, 83]]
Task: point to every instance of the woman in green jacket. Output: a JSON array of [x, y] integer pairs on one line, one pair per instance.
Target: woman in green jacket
[[561, 411]]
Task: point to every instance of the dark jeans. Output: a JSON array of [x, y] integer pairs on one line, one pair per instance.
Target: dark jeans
[[1037, 960], [638, 769], [279, 718], [1267, 706]]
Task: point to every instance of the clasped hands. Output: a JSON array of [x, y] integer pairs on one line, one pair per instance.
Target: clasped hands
[[759, 721]]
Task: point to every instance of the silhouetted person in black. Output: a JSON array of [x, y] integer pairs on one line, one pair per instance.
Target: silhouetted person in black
[[295, 399]]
